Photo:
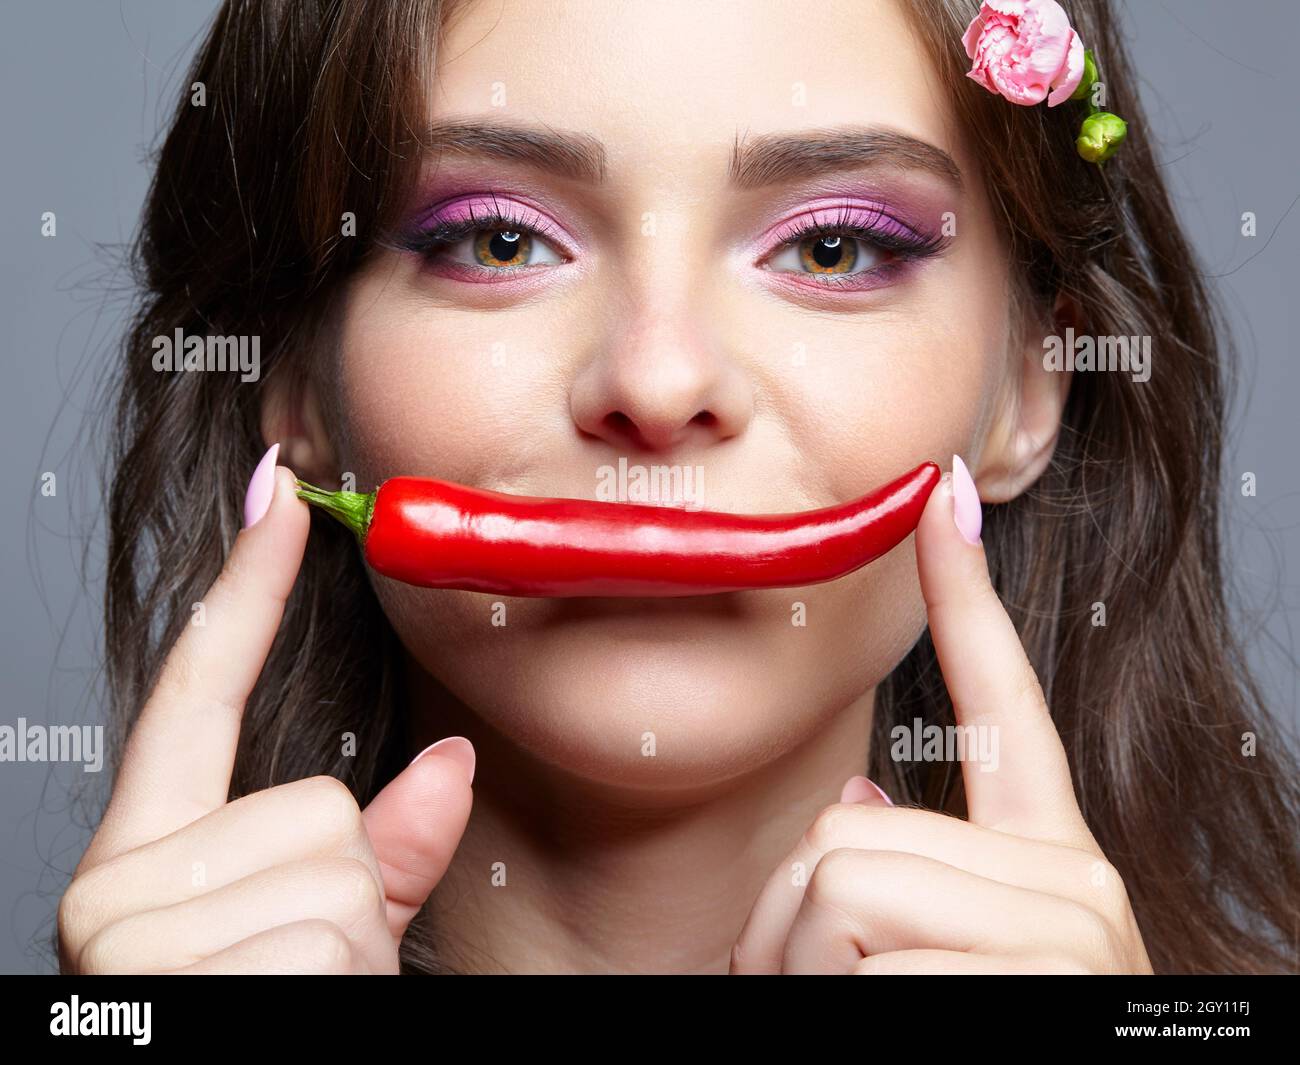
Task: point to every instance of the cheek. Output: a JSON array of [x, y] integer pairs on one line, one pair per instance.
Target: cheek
[[865, 397], [437, 391]]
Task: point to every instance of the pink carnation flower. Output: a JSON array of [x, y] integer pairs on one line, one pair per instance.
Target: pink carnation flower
[[1025, 50]]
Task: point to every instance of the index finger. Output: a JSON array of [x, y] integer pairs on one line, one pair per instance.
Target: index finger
[[998, 702], [180, 755]]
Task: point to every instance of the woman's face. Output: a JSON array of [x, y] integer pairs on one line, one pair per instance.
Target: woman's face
[[662, 308]]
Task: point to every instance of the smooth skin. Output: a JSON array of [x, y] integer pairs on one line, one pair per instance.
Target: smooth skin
[[675, 344]]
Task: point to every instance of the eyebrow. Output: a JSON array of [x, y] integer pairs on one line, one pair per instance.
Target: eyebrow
[[755, 162], [572, 155], [772, 158]]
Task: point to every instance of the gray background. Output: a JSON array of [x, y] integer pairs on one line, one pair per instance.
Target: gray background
[[84, 88]]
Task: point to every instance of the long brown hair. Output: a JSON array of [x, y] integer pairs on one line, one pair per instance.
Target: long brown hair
[[313, 109]]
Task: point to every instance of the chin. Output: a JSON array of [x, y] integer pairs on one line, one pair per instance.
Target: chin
[[669, 696]]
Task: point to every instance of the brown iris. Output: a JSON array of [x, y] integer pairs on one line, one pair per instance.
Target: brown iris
[[502, 247], [828, 254]]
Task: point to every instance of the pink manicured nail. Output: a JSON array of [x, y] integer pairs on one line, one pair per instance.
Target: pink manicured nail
[[457, 748], [859, 789], [966, 510], [261, 487]]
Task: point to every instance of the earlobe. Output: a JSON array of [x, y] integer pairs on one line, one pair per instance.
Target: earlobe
[[1028, 422], [291, 415]]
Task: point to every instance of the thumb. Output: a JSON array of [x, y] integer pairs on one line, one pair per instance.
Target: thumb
[[415, 825]]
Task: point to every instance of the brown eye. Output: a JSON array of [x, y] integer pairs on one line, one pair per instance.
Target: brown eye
[[827, 253], [502, 247]]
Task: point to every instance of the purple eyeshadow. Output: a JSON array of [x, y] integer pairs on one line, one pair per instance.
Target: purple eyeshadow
[[866, 217], [486, 209]]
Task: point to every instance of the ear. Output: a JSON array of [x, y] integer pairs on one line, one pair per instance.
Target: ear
[[1028, 419], [291, 414]]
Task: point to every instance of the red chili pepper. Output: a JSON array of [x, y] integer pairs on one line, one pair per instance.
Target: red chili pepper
[[442, 535]]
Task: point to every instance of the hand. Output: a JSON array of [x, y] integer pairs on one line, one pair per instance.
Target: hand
[[292, 879], [1022, 887]]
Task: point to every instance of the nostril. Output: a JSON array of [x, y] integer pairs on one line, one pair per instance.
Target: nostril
[[620, 422], [624, 427]]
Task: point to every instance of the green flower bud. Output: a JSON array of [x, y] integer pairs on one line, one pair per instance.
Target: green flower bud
[[1100, 136], [1089, 78]]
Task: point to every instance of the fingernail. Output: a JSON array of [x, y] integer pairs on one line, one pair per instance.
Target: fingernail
[[261, 487], [860, 789], [457, 748], [966, 510]]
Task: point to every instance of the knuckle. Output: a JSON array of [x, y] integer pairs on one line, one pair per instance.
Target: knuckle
[[836, 868], [324, 946], [829, 827], [333, 807], [78, 911], [70, 918], [180, 675], [103, 954], [356, 894], [1112, 895], [1101, 884], [1093, 934]]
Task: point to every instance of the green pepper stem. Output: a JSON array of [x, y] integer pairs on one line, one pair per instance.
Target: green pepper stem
[[353, 509]]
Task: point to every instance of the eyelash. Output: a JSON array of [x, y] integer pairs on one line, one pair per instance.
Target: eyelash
[[849, 222], [431, 240]]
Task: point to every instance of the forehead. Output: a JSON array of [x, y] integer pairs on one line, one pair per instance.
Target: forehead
[[672, 84]]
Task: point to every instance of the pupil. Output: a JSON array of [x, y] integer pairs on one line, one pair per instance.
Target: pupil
[[827, 251], [504, 245]]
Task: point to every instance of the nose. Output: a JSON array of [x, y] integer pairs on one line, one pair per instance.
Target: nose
[[662, 383]]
